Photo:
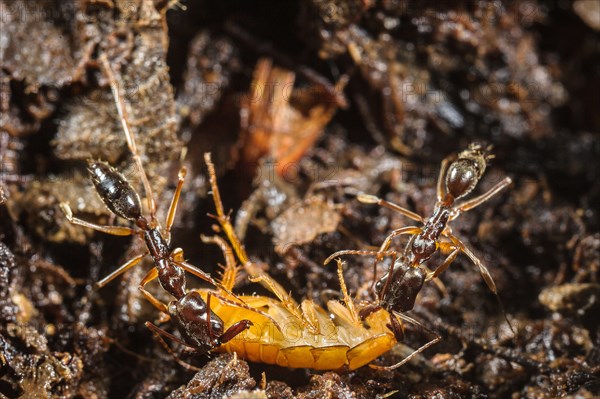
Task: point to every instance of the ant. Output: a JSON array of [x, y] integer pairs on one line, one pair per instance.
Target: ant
[[202, 329], [397, 290]]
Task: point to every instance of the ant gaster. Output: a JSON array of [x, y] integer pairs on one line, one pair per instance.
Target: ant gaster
[[201, 328], [397, 290]]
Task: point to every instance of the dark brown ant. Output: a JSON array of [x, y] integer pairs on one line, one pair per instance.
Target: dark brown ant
[[202, 329], [397, 290]]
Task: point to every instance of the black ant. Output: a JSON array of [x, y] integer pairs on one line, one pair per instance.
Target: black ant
[[202, 329], [398, 288]]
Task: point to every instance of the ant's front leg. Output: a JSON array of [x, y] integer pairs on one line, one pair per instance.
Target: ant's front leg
[[388, 241], [472, 203], [113, 230], [174, 201]]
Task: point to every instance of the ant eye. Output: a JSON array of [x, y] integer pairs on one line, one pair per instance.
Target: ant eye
[[216, 325]]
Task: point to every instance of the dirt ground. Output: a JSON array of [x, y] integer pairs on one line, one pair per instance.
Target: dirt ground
[[303, 105]]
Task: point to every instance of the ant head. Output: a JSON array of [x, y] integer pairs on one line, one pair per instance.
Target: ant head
[[190, 307], [464, 173], [191, 312], [400, 292]]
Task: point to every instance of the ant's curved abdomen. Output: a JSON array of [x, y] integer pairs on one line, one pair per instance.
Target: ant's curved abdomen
[[115, 191]]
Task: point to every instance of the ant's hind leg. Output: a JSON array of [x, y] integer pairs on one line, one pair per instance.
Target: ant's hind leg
[[113, 230], [120, 270], [485, 273], [160, 333], [174, 202]]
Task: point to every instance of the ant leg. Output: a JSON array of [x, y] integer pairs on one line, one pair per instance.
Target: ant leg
[[472, 203], [357, 252], [438, 270], [442, 177], [397, 327], [485, 273], [371, 199], [416, 352], [403, 230], [120, 270], [388, 241], [174, 202], [177, 255], [114, 86], [113, 230], [151, 275], [195, 271], [159, 333], [199, 273], [438, 283]]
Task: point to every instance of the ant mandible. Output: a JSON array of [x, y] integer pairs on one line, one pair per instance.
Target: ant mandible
[[201, 328], [398, 288]]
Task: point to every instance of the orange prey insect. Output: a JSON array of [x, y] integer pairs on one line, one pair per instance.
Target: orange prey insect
[[289, 334]]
